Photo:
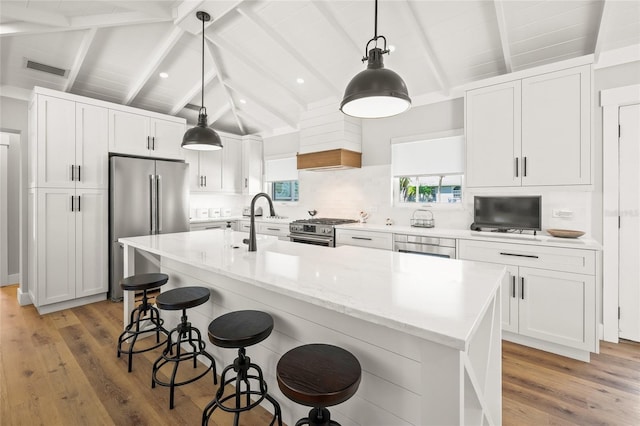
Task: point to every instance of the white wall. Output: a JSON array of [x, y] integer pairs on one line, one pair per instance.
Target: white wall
[[14, 119]]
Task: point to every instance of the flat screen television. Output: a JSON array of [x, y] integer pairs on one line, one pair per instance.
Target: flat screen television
[[507, 213]]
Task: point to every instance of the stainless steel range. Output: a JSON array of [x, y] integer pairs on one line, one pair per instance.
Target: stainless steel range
[[318, 231]]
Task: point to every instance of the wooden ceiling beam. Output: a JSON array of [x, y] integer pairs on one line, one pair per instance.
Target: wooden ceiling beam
[[158, 56], [253, 65], [597, 48], [269, 108], [427, 50], [34, 16], [85, 45], [328, 15], [284, 44], [504, 37], [216, 68], [191, 93]]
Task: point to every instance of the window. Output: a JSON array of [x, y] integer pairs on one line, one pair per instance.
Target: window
[[284, 190], [428, 169], [282, 176]]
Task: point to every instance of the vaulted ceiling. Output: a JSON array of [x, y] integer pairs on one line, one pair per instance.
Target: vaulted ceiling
[[256, 52]]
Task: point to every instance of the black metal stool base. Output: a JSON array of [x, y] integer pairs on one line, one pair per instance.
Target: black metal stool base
[[133, 329], [242, 397], [318, 417], [185, 335]]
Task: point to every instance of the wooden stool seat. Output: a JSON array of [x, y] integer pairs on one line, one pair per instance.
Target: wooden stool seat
[[182, 298], [143, 281], [240, 329]]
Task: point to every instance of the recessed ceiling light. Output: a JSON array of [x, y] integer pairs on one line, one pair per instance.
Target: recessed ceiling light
[[242, 101], [300, 80], [163, 75], [392, 48]]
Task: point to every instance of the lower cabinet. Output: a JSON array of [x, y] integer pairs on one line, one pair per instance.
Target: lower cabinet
[[217, 224], [68, 247], [360, 238], [550, 294], [280, 230]]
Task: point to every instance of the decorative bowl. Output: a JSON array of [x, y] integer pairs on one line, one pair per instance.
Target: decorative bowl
[[565, 233]]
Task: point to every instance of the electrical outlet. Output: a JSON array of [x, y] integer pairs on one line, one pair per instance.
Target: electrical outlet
[[562, 213]]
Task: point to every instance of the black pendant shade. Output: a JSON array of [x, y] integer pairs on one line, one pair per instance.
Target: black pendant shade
[[202, 137], [375, 92]]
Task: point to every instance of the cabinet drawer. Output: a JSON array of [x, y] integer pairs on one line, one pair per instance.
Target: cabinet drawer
[[380, 240], [543, 257], [280, 230]]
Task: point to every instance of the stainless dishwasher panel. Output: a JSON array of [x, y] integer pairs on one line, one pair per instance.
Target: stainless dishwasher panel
[[429, 246]]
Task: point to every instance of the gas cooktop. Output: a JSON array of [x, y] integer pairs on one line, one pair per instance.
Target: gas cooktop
[[325, 221]]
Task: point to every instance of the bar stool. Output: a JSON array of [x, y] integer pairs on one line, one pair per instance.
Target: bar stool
[[318, 376], [139, 317], [182, 298], [237, 330]]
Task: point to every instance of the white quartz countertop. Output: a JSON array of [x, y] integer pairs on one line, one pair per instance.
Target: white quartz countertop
[[436, 299], [235, 218], [541, 239]]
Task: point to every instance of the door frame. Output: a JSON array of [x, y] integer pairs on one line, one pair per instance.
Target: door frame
[[5, 143], [610, 101]]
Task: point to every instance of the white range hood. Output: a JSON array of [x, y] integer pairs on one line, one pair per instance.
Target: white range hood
[[329, 139]]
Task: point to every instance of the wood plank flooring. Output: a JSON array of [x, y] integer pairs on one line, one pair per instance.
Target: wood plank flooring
[[62, 369]]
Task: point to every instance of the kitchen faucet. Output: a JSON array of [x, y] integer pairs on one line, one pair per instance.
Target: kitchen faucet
[[252, 228]]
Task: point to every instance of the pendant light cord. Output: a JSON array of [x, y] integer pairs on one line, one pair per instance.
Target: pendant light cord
[[375, 25], [375, 37], [202, 99]]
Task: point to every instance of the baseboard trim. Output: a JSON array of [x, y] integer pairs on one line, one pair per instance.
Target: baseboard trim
[[24, 298]]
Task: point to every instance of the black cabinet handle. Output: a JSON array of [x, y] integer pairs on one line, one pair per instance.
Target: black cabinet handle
[[273, 229], [148, 142], [532, 256], [517, 166], [153, 143], [524, 167], [522, 288], [72, 204], [78, 203], [361, 238], [205, 181], [513, 286], [73, 174], [79, 179]]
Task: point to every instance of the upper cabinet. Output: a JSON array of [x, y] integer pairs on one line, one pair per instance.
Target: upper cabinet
[[216, 171], [145, 135], [69, 144], [251, 165], [232, 164], [530, 132]]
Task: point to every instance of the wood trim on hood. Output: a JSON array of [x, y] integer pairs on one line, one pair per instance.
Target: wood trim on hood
[[330, 160]]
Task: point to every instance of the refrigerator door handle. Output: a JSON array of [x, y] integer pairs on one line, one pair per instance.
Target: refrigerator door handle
[[158, 204], [153, 203]]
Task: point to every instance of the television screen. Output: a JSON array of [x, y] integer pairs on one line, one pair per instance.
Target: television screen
[[505, 213]]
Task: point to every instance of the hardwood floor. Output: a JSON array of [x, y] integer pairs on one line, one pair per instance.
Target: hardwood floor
[[62, 369]]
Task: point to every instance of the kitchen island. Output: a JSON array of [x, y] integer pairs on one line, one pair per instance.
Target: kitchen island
[[425, 330]]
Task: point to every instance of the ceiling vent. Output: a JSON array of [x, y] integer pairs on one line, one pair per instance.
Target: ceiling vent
[[45, 68]]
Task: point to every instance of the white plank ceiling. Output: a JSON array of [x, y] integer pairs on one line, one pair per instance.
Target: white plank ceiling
[[255, 51]]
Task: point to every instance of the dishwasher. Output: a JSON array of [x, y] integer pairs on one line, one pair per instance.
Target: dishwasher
[[428, 246]]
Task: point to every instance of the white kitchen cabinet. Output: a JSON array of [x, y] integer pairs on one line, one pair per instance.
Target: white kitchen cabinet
[[205, 170], [251, 165], [280, 230], [142, 134], [243, 226], [550, 294], [69, 146], [214, 224], [68, 236], [371, 239], [232, 164], [530, 132]]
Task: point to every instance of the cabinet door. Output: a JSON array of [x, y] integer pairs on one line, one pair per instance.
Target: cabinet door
[[55, 242], [251, 166], [167, 139], [211, 170], [556, 128], [129, 133], [192, 158], [92, 146], [232, 165], [492, 127], [56, 145], [558, 307], [379, 240], [91, 243], [244, 226], [510, 295]]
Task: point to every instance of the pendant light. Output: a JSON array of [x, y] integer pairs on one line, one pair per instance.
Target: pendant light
[[375, 92], [202, 137]]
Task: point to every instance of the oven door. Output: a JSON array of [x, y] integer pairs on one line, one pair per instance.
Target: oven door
[[318, 240]]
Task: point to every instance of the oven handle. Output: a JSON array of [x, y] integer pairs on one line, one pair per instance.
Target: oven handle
[[309, 238]]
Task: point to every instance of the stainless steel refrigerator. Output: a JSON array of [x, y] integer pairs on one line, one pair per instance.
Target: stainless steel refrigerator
[[146, 196]]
